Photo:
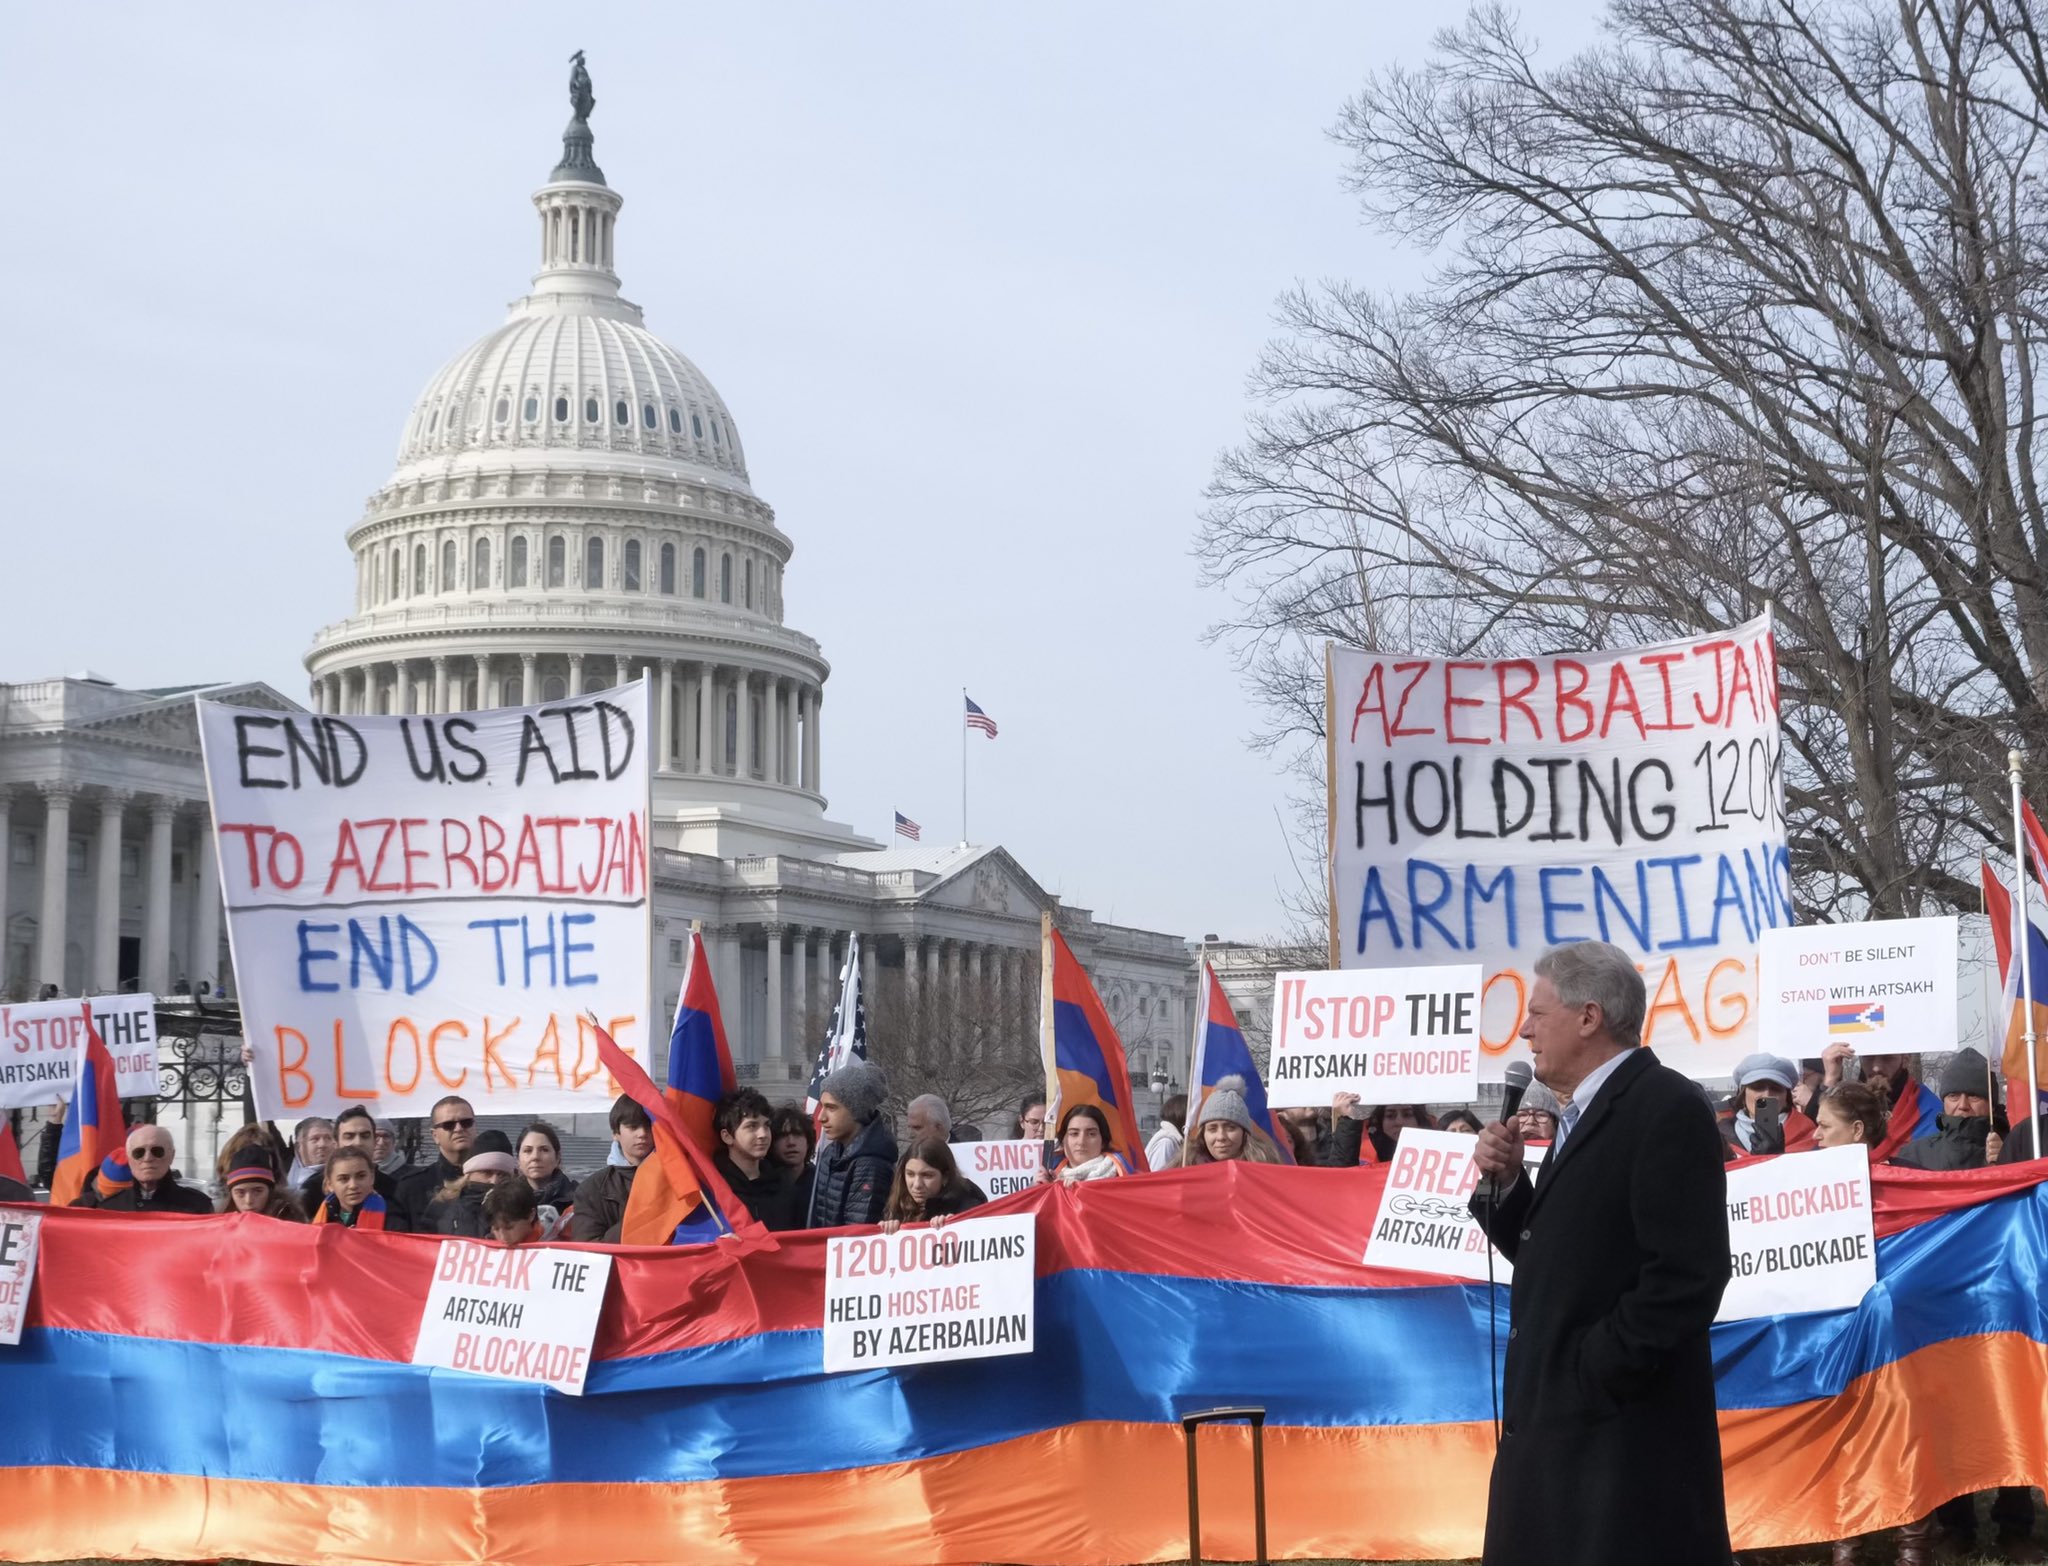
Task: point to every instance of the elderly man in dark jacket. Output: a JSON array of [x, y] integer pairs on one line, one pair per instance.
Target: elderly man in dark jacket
[[1609, 1453], [857, 1158], [157, 1188], [1962, 1137]]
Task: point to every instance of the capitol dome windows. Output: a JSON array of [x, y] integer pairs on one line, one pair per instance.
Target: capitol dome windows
[[434, 422], [590, 413], [725, 578], [504, 409], [631, 565], [593, 563], [648, 416], [621, 414], [448, 566], [668, 569], [697, 574], [532, 409], [554, 688], [397, 572], [675, 421], [747, 576], [515, 565], [480, 566], [557, 561], [419, 570], [716, 438], [561, 410], [697, 425]]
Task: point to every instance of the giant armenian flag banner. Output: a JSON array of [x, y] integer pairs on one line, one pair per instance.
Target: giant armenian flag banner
[[194, 1388]]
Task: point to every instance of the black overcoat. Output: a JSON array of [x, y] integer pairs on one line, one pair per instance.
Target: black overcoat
[[1609, 1452]]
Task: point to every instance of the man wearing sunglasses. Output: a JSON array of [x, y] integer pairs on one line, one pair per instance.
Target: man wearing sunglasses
[[156, 1187], [453, 1123]]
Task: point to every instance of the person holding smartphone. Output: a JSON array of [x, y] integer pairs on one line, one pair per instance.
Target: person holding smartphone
[[1763, 1093]]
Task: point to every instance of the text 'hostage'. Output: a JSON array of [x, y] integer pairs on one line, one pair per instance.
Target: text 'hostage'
[[430, 904]]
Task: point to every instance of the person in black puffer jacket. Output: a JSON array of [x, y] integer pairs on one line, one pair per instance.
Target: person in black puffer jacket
[[459, 1209], [858, 1156], [1963, 1136]]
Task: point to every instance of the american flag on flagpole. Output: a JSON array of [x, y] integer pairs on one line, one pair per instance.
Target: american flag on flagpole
[[848, 1038], [905, 827], [977, 719]]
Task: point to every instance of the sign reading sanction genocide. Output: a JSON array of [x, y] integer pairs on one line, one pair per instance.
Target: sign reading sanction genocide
[[429, 904], [1390, 1035], [1799, 1234], [20, 1227], [1482, 809], [42, 1042], [1000, 1168], [964, 1291], [519, 1312], [1887, 987]]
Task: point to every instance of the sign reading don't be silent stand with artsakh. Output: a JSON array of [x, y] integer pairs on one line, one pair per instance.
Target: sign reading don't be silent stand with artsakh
[[429, 904]]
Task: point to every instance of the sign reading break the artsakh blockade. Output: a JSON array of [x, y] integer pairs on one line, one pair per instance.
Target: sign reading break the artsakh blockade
[[1484, 809], [434, 904]]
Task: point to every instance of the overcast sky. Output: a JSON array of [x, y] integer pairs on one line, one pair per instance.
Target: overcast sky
[[981, 285]]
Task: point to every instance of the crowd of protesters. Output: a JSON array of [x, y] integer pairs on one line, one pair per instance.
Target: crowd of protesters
[[845, 1166]]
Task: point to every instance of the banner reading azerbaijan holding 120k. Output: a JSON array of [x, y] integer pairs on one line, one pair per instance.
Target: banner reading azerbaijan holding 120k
[[1483, 809], [430, 904]]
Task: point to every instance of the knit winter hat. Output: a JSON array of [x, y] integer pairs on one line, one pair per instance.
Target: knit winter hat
[[1967, 1071], [250, 1164], [491, 1142], [860, 1086], [1538, 1097], [1226, 1102], [488, 1163]]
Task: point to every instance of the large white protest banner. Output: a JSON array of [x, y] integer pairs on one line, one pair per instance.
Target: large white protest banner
[[1887, 986], [965, 1291], [1000, 1168], [1390, 1035], [1799, 1234], [517, 1312], [429, 904], [19, 1230], [1424, 1222], [42, 1043], [1482, 809]]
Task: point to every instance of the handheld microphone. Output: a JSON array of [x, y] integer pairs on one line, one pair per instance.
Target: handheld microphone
[[1519, 1075]]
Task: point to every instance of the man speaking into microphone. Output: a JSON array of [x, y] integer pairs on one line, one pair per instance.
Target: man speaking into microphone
[[1609, 1454]]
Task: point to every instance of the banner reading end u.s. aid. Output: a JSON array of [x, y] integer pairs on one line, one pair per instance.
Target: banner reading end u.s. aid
[[430, 903], [1482, 809]]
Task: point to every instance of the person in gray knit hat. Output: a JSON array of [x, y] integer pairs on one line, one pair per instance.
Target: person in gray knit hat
[[1224, 1130], [1537, 1118], [857, 1156], [1963, 1136]]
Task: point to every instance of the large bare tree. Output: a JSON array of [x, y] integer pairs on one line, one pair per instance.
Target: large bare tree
[[1743, 306]]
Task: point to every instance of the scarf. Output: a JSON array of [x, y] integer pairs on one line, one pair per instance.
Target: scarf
[[368, 1216]]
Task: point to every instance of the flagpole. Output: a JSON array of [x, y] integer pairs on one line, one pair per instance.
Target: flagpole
[[963, 767], [2024, 934]]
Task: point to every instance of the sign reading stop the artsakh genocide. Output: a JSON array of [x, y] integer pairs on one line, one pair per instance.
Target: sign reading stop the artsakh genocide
[[1390, 1035], [1484, 809], [429, 904], [42, 1043]]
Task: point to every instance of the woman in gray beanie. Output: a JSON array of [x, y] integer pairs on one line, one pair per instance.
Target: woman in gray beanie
[[1223, 1131]]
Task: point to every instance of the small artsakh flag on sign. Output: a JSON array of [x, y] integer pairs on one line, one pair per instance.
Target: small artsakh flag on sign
[[1855, 1017]]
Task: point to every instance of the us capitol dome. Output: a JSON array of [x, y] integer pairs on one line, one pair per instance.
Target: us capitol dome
[[571, 510]]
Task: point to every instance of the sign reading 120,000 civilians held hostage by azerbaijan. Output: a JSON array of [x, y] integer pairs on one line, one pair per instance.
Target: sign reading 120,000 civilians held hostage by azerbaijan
[[1390, 1035], [964, 1291], [429, 904], [1483, 809], [42, 1043]]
